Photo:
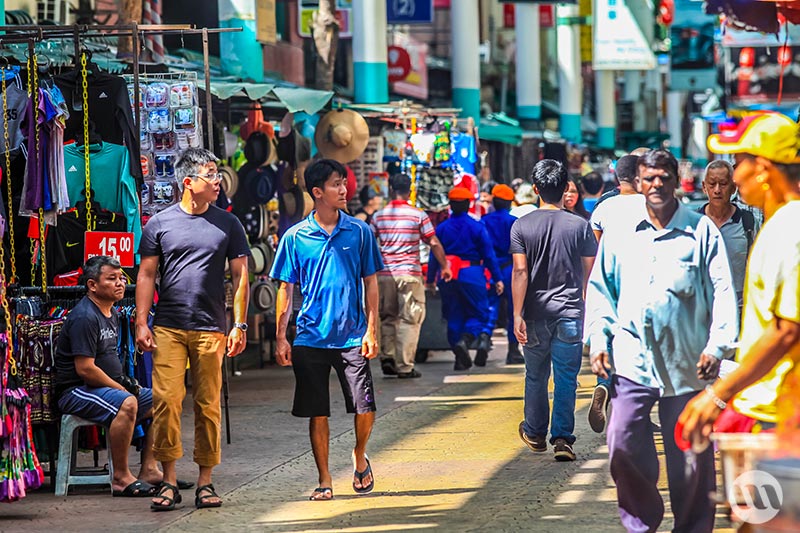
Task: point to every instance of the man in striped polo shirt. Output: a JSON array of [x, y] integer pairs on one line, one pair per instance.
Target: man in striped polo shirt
[[399, 227]]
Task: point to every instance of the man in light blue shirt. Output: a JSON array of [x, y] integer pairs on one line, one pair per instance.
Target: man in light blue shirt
[[661, 293]]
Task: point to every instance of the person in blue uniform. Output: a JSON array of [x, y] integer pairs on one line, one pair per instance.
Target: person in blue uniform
[[464, 302], [498, 224]]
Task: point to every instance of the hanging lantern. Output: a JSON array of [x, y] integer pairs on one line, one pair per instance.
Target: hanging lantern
[[784, 55], [747, 57]]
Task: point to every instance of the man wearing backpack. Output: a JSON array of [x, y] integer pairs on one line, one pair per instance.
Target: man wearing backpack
[[738, 226]]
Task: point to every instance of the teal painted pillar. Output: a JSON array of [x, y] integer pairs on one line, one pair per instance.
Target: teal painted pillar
[[466, 61], [240, 53], [529, 75], [570, 93], [606, 102], [370, 72]]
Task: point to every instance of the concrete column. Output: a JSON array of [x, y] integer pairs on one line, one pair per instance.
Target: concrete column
[[569, 72], [465, 32], [674, 120], [370, 72], [605, 90], [529, 75], [241, 54]]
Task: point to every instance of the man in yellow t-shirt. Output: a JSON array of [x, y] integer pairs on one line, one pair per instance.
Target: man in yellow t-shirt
[[766, 149]]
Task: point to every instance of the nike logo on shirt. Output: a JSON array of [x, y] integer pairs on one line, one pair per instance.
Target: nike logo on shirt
[[71, 244]]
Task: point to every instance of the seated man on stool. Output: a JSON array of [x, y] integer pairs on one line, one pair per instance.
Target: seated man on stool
[[89, 380]]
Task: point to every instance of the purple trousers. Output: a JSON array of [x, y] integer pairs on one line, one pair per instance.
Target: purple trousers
[[634, 462]]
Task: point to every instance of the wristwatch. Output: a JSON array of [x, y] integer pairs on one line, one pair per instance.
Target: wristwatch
[[240, 325]]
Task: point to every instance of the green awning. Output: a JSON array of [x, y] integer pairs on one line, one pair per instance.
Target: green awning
[[295, 99], [500, 128]]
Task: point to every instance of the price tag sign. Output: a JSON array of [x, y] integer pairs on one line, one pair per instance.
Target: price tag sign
[[116, 244]]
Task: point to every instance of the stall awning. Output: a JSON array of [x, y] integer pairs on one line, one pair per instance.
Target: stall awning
[[295, 99], [500, 128]]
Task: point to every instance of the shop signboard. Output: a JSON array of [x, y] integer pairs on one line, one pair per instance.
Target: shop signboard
[[619, 43], [692, 37], [266, 28], [409, 11], [415, 83], [305, 18], [116, 244], [547, 16], [399, 64]]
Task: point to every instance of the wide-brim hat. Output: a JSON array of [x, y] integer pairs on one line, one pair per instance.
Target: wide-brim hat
[[342, 135], [262, 296], [229, 180], [293, 148], [291, 200], [257, 261], [257, 148], [260, 183], [261, 258]]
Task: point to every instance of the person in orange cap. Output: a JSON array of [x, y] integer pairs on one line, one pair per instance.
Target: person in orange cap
[[498, 225], [464, 305]]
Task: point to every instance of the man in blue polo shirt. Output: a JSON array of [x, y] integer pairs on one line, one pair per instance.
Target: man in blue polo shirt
[[328, 254]]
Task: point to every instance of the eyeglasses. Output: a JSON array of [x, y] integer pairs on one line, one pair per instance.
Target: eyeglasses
[[209, 178]]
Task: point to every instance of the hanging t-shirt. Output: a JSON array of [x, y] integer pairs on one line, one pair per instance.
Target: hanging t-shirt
[[36, 188], [111, 181], [464, 153], [109, 110], [16, 100], [394, 143], [65, 241], [423, 147]]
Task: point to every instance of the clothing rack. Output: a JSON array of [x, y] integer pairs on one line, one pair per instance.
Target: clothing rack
[[77, 32], [36, 291]]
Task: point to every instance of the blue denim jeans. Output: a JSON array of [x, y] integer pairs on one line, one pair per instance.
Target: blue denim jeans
[[556, 341]]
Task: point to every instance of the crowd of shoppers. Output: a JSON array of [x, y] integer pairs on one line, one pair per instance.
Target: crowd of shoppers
[[656, 291]]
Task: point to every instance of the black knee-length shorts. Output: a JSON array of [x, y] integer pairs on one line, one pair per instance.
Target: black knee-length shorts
[[312, 369]]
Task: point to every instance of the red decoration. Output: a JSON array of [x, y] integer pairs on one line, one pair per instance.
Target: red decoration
[[666, 12], [784, 55], [747, 57]]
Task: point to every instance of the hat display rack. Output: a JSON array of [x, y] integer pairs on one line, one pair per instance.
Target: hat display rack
[[418, 141]]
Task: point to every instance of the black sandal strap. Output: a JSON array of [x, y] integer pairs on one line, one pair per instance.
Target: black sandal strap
[[165, 485], [206, 488]]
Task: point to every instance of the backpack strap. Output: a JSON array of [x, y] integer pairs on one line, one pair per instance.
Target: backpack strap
[[749, 224]]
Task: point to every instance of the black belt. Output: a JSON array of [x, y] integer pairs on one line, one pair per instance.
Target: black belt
[[475, 263], [507, 263]]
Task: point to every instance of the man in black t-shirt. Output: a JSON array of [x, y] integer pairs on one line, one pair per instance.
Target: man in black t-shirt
[[187, 244], [552, 251], [89, 377]]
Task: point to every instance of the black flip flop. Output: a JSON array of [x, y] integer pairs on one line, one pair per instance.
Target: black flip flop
[[199, 501], [171, 502], [321, 490], [361, 475], [137, 489]]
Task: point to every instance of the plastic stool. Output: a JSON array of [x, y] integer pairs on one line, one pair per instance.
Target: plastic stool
[[67, 472]]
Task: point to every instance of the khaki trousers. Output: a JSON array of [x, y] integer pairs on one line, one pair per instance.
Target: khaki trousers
[[402, 310], [204, 351]]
